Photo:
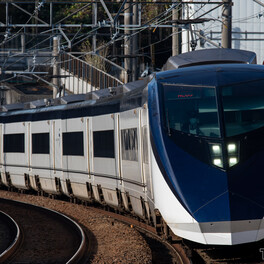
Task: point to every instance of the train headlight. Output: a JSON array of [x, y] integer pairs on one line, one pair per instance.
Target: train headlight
[[216, 149], [233, 153], [233, 161], [231, 148], [218, 162], [216, 154]]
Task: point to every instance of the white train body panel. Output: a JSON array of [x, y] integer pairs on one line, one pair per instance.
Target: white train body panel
[[41, 163], [74, 166], [17, 164]]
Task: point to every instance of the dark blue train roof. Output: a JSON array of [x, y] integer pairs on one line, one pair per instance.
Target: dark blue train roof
[[213, 75], [210, 56], [132, 95]]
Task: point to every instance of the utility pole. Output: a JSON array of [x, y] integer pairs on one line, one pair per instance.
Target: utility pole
[[176, 32], [95, 24], [23, 43], [127, 41], [135, 45], [55, 55], [227, 24]]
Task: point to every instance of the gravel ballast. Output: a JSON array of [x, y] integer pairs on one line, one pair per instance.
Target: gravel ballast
[[111, 241]]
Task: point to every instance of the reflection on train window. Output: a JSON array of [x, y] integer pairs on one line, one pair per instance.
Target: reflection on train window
[[145, 144], [104, 144], [129, 144], [191, 110], [243, 106], [14, 143], [40, 143], [72, 143]]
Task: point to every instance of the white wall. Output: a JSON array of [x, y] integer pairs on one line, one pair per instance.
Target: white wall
[[75, 85], [247, 16]]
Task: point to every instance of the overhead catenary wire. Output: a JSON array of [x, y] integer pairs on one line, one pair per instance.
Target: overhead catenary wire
[[115, 40], [157, 19], [37, 9]]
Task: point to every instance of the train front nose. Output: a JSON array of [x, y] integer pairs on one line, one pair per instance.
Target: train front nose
[[208, 136], [235, 216]]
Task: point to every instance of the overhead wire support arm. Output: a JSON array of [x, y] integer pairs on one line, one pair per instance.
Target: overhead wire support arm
[[65, 36], [259, 2], [220, 4], [107, 11], [197, 33], [119, 12]]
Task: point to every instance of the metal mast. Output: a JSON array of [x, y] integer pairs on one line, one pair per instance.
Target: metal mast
[[176, 37], [127, 41], [227, 24]]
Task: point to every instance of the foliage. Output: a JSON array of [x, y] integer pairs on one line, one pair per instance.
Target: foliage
[[93, 59]]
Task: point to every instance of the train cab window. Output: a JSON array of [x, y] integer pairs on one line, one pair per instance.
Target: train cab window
[[40, 143], [129, 141], [104, 146], [72, 143], [191, 110], [243, 106], [14, 143]]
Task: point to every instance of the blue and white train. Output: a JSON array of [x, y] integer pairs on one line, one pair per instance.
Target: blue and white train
[[186, 143]]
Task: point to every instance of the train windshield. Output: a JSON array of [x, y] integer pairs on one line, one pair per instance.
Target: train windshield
[[243, 106], [191, 109]]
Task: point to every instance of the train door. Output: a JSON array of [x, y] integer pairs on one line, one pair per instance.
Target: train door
[[2, 168], [16, 153], [74, 154], [145, 152], [118, 150], [56, 154], [131, 156], [40, 154], [104, 163], [89, 145], [130, 148], [28, 145]]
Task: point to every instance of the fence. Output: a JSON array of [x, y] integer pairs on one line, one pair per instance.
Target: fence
[[87, 77], [106, 65]]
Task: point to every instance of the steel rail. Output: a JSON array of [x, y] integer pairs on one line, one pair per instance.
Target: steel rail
[[17, 240]]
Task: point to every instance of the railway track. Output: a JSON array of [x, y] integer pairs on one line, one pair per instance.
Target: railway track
[[10, 236], [181, 251], [47, 236], [175, 250], [162, 251]]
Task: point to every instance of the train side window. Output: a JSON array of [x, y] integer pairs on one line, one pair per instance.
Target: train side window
[[104, 144], [40, 143], [129, 144], [14, 143], [72, 143]]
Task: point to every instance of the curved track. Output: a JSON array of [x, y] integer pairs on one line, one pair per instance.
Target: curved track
[[176, 250], [10, 236], [48, 237]]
